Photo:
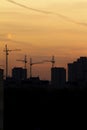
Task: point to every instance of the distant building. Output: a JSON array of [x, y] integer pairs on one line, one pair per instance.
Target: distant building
[[19, 73], [77, 71], [58, 77], [1, 77]]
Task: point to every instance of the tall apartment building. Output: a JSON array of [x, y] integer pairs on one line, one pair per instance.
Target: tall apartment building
[[77, 71], [19, 73], [58, 77]]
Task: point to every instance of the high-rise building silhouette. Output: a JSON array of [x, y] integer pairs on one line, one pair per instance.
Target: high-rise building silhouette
[[19, 73], [58, 77], [77, 71]]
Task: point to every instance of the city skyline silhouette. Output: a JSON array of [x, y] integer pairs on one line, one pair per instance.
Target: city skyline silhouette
[[43, 62], [75, 73]]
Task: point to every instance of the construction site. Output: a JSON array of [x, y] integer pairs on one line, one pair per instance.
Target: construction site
[[30, 63], [23, 76], [25, 95]]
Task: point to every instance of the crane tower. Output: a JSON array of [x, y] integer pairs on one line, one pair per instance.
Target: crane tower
[[7, 53]]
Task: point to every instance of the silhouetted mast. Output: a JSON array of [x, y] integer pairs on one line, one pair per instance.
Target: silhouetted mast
[[7, 53], [25, 61]]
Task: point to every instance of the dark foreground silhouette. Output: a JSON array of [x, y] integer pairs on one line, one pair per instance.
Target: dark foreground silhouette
[[33, 106]]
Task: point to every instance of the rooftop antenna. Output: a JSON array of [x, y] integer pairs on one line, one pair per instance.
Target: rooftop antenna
[[7, 53], [24, 60]]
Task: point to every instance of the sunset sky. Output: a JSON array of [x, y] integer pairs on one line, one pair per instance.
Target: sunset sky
[[41, 35]]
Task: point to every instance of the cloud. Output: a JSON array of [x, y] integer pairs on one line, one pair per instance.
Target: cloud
[[29, 8], [15, 27], [9, 38], [48, 13], [13, 41]]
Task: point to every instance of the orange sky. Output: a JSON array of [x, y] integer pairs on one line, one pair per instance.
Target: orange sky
[[42, 35]]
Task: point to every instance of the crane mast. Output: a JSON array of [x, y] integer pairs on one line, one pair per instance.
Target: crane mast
[[6, 50], [7, 53]]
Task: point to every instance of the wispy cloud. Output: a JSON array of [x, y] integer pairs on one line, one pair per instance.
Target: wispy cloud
[[9, 38], [48, 13], [13, 41]]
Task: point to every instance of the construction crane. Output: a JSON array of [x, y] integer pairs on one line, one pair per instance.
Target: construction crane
[[33, 63], [52, 61], [7, 53], [24, 60]]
